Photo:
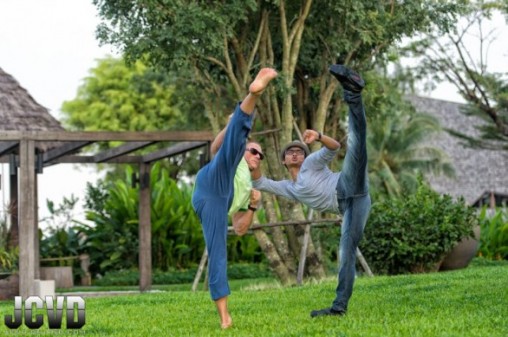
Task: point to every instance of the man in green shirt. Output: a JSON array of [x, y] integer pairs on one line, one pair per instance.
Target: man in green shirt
[[246, 199]]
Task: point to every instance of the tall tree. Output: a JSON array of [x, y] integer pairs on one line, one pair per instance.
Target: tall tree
[[133, 97], [445, 55], [217, 45], [118, 97]]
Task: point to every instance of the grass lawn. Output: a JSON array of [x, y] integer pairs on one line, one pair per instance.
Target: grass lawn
[[469, 302]]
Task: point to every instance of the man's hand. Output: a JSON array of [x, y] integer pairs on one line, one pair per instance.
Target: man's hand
[[243, 219], [255, 198], [310, 136]]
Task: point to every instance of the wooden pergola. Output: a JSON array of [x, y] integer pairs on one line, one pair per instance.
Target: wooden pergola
[[19, 149]]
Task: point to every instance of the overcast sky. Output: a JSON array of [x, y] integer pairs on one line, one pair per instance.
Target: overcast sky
[[49, 46]]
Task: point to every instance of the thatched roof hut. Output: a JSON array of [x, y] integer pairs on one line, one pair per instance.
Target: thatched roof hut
[[20, 112], [478, 172]]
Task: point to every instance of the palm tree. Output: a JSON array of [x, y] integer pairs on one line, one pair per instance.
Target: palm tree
[[398, 153]]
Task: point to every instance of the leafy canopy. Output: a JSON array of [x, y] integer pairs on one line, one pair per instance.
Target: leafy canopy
[[120, 98]]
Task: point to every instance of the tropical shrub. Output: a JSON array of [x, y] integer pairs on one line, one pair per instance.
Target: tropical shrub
[[60, 239], [177, 238], [494, 234], [8, 256], [112, 240], [415, 232]]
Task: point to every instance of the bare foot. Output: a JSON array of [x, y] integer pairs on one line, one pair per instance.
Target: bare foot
[[227, 322], [262, 79]]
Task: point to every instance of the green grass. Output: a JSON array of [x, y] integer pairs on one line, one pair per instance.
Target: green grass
[[468, 302]]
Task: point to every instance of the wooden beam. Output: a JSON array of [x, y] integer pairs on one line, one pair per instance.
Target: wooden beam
[[104, 136], [27, 218], [8, 147], [145, 229], [295, 223], [120, 150], [63, 150], [74, 159], [172, 151]]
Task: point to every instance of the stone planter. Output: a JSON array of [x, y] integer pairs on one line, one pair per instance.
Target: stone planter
[[61, 275], [462, 253], [9, 287]]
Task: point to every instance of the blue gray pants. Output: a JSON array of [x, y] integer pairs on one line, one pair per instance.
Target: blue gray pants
[[212, 198], [354, 199]]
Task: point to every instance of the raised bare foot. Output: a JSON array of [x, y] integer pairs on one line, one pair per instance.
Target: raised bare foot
[[227, 322], [262, 79]]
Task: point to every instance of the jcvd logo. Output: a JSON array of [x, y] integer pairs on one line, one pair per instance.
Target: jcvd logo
[[73, 304]]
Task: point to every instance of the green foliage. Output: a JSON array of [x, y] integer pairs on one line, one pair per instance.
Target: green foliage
[[236, 271], [112, 240], [61, 216], [494, 234], [120, 98], [177, 33], [177, 238], [61, 242], [396, 141], [172, 31], [61, 238], [415, 232], [8, 256]]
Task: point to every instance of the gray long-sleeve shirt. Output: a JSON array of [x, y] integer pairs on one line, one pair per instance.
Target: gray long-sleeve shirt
[[315, 184]]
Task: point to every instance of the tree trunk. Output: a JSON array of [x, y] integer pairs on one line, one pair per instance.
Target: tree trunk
[[279, 238], [275, 261]]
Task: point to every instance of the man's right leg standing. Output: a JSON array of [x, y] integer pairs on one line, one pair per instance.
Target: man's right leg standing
[[214, 189], [353, 188]]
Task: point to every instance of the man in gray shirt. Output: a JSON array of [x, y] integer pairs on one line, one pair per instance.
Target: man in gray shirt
[[345, 192]]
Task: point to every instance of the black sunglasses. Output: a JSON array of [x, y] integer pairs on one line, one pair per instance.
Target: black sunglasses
[[254, 152]]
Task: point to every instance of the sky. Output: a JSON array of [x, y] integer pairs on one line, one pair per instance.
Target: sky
[[49, 46]]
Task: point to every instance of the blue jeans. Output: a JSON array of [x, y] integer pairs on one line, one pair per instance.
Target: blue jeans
[[353, 197], [212, 197]]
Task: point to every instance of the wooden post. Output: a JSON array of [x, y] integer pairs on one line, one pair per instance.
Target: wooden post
[[492, 200], [13, 202], [37, 250], [202, 265], [145, 229], [363, 262], [303, 252], [26, 218]]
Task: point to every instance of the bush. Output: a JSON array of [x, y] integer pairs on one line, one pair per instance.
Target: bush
[[9, 256], [414, 233], [494, 234], [131, 277]]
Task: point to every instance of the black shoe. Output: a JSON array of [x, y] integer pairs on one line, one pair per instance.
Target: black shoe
[[349, 79], [327, 312]]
